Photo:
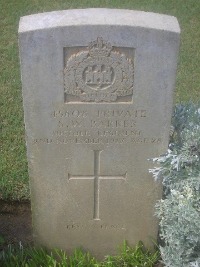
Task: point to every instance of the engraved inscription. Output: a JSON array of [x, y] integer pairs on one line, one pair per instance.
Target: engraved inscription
[[98, 74], [95, 141], [79, 226], [102, 127], [96, 177]]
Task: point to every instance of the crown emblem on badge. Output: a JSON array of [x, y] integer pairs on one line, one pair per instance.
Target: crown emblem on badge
[[99, 48], [98, 73]]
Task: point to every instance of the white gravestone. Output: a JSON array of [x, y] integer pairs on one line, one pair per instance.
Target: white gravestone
[[98, 93]]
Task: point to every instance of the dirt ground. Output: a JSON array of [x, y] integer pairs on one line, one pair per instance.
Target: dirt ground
[[15, 223]]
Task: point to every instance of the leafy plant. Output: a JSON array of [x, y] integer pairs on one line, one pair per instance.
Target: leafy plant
[[137, 256], [179, 211], [34, 257]]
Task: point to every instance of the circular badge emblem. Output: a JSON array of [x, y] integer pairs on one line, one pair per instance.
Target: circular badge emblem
[[99, 74]]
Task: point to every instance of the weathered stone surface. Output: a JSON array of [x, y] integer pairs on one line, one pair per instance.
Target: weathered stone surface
[[97, 89]]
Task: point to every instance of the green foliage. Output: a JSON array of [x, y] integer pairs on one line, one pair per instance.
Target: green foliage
[[179, 211], [34, 257], [137, 256], [79, 259]]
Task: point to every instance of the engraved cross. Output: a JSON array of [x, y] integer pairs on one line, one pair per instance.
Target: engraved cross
[[96, 177]]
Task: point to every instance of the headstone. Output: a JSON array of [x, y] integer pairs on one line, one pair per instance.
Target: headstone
[[98, 92]]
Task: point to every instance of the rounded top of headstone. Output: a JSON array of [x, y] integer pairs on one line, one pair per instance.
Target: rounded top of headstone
[[98, 16]]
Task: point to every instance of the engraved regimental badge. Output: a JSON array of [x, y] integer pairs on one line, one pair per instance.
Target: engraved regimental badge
[[98, 74]]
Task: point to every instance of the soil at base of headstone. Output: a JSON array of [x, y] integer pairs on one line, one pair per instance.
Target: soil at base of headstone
[[15, 224]]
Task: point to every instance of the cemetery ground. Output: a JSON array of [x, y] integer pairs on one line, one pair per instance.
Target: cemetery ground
[[14, 191]]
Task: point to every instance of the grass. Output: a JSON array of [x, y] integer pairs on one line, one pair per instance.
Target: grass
[[33, 257], [13, 165]]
